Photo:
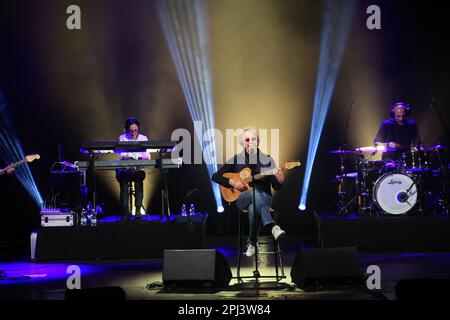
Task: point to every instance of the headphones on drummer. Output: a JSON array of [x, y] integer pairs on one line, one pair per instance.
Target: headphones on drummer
[[406, 106]]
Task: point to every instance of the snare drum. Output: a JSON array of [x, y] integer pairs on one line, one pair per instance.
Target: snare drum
[[395, 193]]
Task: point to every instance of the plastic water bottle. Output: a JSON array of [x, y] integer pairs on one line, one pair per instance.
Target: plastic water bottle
[[191, 209], [183, 210], [83, 218], [89, 213], [94, 218]]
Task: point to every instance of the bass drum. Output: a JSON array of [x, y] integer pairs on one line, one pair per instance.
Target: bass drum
[[395, 193]]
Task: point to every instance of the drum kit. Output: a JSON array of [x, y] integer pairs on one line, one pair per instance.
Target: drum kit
[[416, 182]]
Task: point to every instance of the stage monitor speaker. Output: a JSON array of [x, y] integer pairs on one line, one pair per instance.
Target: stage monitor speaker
[[195, 268], [325, 266]]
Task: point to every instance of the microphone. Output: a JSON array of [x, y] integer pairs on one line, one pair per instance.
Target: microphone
[[252, 148], [402, 197]]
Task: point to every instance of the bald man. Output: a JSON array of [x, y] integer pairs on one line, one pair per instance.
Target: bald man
[[399, 132]]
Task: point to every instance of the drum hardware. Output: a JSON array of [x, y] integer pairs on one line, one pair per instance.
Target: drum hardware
[[444, 192], [438, 169], [411, 184], [418, 182], [362, 196], [342, 192], [445, 162], [365, 204]]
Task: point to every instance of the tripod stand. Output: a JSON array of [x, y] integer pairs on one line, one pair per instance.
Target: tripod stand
[[341, 180], [365, 203], [444, 164], [342, 152], [404, 196]]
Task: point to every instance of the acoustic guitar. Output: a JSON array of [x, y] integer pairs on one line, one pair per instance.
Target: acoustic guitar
[[29, 158], [245, 177]]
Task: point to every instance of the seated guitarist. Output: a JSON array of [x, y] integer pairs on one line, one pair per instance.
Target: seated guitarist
[[254, 159]]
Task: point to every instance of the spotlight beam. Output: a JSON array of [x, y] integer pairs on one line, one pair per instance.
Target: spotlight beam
[[11, 151], [335, 31], [185, 28]]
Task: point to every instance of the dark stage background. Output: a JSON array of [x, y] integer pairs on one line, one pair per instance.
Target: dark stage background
[[65, 87]]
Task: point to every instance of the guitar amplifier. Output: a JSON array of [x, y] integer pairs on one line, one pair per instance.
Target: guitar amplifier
[[57, 220]]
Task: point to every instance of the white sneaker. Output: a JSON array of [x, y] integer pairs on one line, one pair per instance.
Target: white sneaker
[[250, 250], [277, 232]]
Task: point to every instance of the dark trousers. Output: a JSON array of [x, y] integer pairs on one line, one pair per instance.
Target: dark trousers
[[124, 177]]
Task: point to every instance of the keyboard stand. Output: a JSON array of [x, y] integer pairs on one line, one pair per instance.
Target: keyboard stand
[[92, 181], [165, 203]]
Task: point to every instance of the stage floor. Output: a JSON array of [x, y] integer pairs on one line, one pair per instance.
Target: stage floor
[[142, 279]]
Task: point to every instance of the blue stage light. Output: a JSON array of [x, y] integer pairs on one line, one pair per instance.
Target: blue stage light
[[11, 151], [185, 27], [337, 21]]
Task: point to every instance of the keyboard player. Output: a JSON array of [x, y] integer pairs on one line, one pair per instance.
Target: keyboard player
[[126, 175]]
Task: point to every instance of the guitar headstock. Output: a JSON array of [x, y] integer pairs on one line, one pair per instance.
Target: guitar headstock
[[291, 164], [31, 158]]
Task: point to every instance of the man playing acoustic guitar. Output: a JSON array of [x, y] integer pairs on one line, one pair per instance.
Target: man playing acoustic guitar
[[228, 177]]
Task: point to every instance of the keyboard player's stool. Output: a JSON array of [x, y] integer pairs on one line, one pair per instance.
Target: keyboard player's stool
[[131, 195], [128, 179], [276, 252]]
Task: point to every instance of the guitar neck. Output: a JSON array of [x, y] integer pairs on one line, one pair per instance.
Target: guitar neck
[[15, 164], [271, 172], [18, 163], [263, 174]]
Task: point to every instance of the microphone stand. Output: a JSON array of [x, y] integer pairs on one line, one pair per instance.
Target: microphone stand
[[343, 174], [256, 273], [444, 164]]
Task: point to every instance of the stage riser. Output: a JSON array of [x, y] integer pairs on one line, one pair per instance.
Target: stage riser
[[117, 241], [385, 234]]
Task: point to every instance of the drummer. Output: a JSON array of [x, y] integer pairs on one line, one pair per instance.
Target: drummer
[[399, 132]]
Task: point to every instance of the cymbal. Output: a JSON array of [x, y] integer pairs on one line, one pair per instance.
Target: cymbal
[[340, 151], [372, 149], [436, 147]]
